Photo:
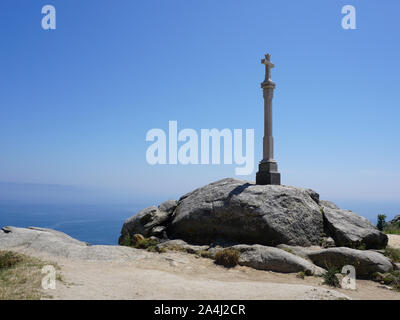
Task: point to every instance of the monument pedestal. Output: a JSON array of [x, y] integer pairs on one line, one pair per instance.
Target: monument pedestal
[[268, 173]]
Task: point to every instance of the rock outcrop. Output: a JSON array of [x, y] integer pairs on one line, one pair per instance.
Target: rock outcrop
[[238, 212], [349, 229], [366, 262], [253, 218], [244, 213], [274, 259], [253, 256], [54, 243], [150, 221]]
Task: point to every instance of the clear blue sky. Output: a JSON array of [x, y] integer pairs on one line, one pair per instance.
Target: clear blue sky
[[76, 102]]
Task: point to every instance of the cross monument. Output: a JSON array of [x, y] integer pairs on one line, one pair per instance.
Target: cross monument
[[268, 167]]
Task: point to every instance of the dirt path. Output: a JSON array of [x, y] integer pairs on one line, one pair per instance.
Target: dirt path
[[138, 274], [183, 276], [394, 240]]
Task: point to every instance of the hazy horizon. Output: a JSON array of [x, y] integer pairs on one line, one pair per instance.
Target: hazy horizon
[[77, 102], [70, 196]]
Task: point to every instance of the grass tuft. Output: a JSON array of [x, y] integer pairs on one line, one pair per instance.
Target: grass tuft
[[392, 253], [9, 259], [20, 277], [227, 258], [330, 277], [146, 243]]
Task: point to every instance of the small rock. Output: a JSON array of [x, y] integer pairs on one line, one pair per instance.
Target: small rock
[[327, 242], [340, 277], [158, 231], [137, 237], [156, 239], [180, 245], [385, 287]]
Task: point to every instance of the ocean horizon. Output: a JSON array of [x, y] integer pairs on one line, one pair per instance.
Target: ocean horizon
[[95, 224], [101, 223]]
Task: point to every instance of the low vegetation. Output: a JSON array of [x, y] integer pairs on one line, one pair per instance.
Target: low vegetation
[[381, 222], [140, 242], [392, 253], [9, 259], [391, 279], [20, 277], [146, 243], [227, 258], [126, 241], [392, 227], [330, 277]]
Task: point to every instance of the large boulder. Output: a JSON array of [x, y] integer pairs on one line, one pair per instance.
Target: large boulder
[[365, 262], [245, 213], [48, 242], [274, 259], [349, 229], [149, 221]]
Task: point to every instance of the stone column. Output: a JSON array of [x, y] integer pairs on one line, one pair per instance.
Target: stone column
[[268, 167]]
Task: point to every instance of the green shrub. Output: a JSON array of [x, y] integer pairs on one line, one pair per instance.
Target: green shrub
[[393, 279], [392, 228], [146, 243], [160, 249], [392, 253], [330, 277], [392, 231], [227, 258], [301, 275], [9, 259], [381, 222], [126, 241]]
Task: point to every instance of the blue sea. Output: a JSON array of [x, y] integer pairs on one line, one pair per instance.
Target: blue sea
[[95, 224], [101, 224]]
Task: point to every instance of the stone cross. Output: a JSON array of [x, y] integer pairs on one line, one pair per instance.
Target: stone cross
[[268, 66], [268, 167]]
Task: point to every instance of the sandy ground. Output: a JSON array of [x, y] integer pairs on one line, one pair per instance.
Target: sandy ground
[[394, 240], [176, 275], [193, 278]]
